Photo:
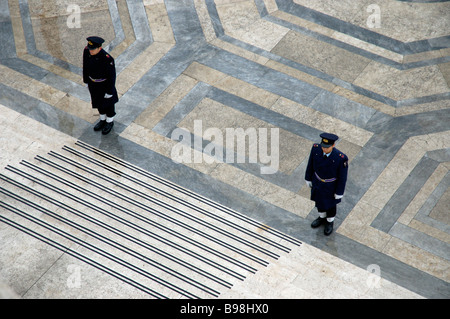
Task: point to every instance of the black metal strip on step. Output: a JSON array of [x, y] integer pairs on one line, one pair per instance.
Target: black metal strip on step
[[133, 239], [96, 250], [163, 205], [128, 223], [152, 211], [81, 257], [114, 244], [185, 191], [140, 217], [176, 199]]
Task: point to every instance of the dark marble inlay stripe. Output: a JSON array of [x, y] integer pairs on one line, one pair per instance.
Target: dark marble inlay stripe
[[117, 25], [182, 109], [393, 209], [363, 52], [423, 214], [361, 33], [421, 240], [217, 25], [43, 112], [7, 47]]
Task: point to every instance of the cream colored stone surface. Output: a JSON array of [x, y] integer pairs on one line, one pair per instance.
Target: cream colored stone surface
[[429, 55], [165, 102], [241, 20], [400, 85], [159, 22], [342, 37], [271, 5], [321, 56], [417, 202], [59, 7], [19, 36], [445, 70], [276, 103], [357, 224], [407, 22], [401, 20], [137, 68], [310, 273], [205, 21], [290, 147], [20, 141], [417, 257], [53, 36]]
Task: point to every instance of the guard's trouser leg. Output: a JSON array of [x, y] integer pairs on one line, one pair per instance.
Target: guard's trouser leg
[[329, 214]]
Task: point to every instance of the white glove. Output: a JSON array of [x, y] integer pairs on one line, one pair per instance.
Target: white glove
[[107, 96], [309, 183], [338, 196]]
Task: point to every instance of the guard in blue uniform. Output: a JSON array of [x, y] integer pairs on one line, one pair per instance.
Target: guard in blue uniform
[[326, 175], [99, 72]]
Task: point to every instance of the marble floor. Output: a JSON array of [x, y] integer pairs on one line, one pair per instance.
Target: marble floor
[[375, 73]]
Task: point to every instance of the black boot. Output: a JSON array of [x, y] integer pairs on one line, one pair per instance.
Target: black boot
[[317, 222], [107, 128], [99, 126], [328, 228]]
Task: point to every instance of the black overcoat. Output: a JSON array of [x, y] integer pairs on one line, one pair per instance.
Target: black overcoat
[[99, 72], [328, 176]]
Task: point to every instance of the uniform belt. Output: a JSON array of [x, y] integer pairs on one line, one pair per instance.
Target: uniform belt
[[97, 80], [328, 180]]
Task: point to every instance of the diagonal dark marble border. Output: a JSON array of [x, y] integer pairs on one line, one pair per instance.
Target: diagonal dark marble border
[[422, 240], [404, 195], [58, 82], [361, 33], [220, 33], [292, 182], [140, 25], [423, 214], [357, 50], [388, 216], [8, 48], [31, 41], [142, 33]]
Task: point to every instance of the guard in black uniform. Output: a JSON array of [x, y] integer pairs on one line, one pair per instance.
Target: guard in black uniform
[[99, 72], [326, 175]]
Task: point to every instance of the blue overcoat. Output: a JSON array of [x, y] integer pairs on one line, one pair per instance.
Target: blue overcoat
[[328, 176]]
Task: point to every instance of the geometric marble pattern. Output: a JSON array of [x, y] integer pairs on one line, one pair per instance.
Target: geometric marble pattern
[[301, 66]]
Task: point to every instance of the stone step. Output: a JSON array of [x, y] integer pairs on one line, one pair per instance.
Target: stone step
[[146, 231]]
